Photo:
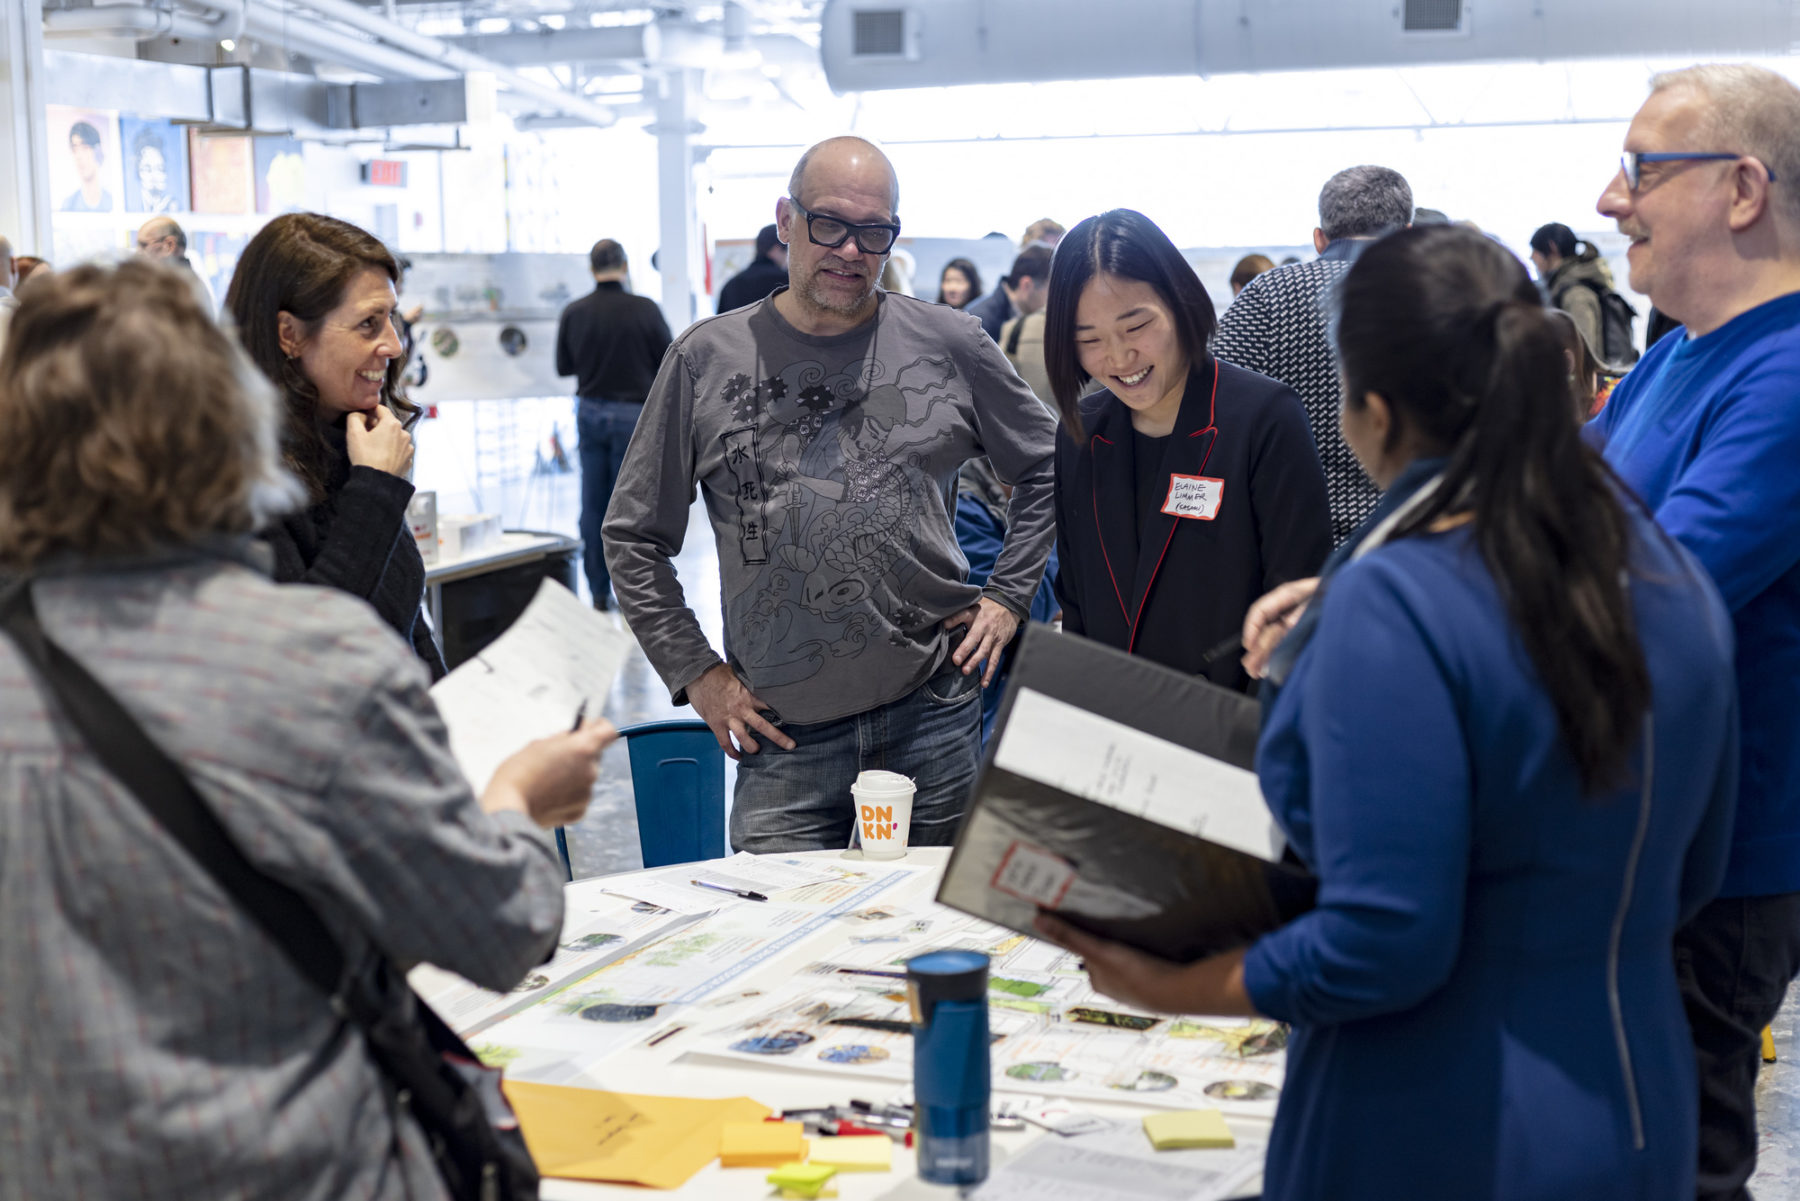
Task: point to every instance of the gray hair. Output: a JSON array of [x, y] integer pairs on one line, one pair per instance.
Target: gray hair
[[1749, 110], [1364, 202]]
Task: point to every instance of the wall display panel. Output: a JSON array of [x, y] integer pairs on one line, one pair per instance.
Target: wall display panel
[[280, 176], [84, 159], [156, 165], [221, 173]]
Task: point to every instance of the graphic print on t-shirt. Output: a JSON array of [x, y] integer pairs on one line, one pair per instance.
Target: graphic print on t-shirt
[[828, 470]]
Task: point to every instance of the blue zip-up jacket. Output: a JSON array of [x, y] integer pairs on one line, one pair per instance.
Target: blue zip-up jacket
[[1707, 431], [1484, 1002]]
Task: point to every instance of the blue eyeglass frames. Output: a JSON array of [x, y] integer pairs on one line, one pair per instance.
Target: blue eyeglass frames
[[1633, 163]]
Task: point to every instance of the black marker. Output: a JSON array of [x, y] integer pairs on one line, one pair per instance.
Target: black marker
[[580, 712]]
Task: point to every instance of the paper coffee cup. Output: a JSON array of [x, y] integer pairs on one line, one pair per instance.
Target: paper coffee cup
[[883, 802]]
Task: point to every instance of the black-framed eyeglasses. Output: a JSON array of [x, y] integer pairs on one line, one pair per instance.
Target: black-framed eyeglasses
[[831, 232], [1633, 163]]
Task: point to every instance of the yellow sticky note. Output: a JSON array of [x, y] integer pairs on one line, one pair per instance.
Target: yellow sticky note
[[591, 1134], [1188, 1128], [761, 1144], [805, 1180], [853, 1152]]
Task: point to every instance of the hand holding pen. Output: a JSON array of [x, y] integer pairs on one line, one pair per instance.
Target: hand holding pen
[[552, 779], [1269, 620]]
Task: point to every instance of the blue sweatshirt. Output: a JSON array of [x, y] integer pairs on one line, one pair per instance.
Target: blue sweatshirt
[[1707, 431]]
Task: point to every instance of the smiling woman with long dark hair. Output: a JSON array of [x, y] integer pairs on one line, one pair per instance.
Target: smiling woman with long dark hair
[[313, 300], [1186, 487]]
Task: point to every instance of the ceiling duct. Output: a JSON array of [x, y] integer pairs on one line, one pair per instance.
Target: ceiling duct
[[869, 45]]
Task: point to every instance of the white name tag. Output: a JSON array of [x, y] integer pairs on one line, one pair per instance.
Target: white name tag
[[1195, 496]]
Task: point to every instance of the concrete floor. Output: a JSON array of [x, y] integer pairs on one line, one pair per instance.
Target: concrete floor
[[606, 841]]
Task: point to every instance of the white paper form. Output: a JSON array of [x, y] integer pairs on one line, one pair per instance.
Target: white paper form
[[761, 873], [1120, 1165], [674, 889], [529, 682], [1108, 762]]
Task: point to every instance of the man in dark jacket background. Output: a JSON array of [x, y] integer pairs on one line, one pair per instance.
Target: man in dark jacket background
[[765, 274], [612, 343]]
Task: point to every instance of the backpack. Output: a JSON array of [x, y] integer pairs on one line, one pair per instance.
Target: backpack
[[1616, 348]]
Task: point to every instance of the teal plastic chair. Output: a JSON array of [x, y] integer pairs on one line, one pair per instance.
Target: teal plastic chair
[[678, 783]]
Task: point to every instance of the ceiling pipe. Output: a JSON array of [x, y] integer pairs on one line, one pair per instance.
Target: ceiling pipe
[[302, 36], [607, 43], [138, 24], [454, 59]]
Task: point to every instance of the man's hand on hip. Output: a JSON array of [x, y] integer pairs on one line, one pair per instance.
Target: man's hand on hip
[[732, 711], [991, 626]]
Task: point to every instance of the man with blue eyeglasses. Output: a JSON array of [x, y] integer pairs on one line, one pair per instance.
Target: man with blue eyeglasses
[[825, 427], [1707, 430]]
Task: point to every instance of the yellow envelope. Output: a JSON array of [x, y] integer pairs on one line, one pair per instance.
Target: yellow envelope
[[589, 1134]]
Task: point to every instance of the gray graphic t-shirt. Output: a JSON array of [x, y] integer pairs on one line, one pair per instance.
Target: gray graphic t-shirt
[[828, 465]]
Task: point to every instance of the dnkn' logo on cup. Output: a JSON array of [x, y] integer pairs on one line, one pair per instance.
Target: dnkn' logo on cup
[[883, 801]]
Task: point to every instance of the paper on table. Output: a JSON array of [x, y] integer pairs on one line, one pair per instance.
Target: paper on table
[[674, 895], [1119, 1165], [529, 682], [587, 1134], [1068, 747], [763, 873]]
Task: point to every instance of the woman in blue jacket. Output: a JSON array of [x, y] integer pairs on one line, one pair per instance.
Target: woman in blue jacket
[[1507, 749], [1187, 487]]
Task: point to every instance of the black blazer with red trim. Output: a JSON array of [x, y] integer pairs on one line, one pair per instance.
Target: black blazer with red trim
[[1255, 517]]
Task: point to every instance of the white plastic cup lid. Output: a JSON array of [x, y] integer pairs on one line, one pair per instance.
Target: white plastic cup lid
[[883, 781]]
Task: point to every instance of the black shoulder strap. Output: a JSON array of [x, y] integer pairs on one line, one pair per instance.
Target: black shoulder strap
[[164, 790]]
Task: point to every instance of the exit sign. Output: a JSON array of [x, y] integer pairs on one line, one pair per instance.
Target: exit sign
[[384, 173]]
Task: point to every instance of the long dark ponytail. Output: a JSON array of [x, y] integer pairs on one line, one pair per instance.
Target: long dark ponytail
[[1448, 329]]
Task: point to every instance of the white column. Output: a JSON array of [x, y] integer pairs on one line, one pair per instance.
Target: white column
[[25, 167], [678, 258]]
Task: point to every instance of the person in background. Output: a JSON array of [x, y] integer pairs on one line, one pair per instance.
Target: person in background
[[1042, 232], [1656, 325], [1022, 338], [766, 272], [313, 300], [414, 371], [1506, 746], [1425, 216], [28, 265], [1584, 368], [1574, 276], [981, 501], [958, 284], [897, 272], [9, 283], [155, 1030], [1277, 326], [1186, 487], [825, 428], [1706, 430], [612, 343], [163, 238], [1247, 269]]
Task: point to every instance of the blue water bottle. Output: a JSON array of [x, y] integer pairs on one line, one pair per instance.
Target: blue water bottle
[[948, 994]]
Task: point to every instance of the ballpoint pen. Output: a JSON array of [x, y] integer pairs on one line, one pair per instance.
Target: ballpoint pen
[[580, 712], [736, 892]]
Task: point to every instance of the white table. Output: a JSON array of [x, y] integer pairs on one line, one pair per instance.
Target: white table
[[511, 549], [666, 1071]]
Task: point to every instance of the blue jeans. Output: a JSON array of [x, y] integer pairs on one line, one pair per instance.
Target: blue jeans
[[799, 800], [605, 428]]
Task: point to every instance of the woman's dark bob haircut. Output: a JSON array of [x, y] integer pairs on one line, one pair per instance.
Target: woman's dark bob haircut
[[1129, 245]]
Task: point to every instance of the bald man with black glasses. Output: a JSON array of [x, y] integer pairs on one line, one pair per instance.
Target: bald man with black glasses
[[825, 427]]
